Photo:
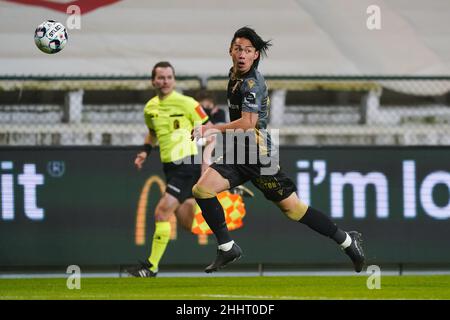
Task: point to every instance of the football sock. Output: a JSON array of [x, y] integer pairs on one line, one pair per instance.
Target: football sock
[[322, 224], [212, 212], [226, 246], [161, 238], [347, 242]]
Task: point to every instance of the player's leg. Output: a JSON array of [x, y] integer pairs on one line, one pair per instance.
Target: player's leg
[[187, 178], [166, 205], [185, 213], [297, 210], [205, 192], [180, 180], [350, 242], [282, 191]]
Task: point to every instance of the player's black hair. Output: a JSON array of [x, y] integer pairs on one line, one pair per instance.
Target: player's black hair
[[259, 44], [162, 64]]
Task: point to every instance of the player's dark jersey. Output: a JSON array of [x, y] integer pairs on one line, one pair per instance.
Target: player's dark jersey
[[250, 94]]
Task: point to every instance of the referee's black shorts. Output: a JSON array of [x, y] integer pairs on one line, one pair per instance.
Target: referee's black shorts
[[180, 178], [275, 187]]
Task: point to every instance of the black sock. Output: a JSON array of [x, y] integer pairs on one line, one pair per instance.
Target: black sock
[[321, 223], [214, 216]]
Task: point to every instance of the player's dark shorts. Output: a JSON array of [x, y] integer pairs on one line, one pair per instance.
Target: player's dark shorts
[[180, 179], [275, 187]]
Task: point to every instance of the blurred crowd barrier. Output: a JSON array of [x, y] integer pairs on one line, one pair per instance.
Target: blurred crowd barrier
[[308, 110]]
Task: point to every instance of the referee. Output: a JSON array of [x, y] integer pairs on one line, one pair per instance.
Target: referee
[[170, 118]]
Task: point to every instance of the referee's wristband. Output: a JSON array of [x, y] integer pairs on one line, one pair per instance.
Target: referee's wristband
[[147, 148]]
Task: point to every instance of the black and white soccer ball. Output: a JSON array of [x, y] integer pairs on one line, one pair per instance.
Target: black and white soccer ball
[[50, 36]]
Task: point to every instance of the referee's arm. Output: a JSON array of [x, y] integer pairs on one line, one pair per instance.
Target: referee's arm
[[149, 143]]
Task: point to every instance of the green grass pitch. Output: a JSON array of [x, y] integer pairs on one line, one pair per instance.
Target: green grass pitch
[[230, 288]]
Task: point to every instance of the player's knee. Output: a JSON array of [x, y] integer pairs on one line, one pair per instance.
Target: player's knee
[[161, 216], [297, 211], [162, 212], [200, 192]]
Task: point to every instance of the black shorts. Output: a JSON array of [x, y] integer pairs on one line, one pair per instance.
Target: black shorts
[[275, 187], [180, 179]]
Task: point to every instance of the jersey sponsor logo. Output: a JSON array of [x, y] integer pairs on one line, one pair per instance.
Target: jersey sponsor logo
[[201, 112], [250, 97]]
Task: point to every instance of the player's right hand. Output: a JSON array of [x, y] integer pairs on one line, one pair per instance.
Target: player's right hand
[[140, 159]]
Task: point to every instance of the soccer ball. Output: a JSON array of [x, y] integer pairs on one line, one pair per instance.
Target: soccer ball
[[50, 36]]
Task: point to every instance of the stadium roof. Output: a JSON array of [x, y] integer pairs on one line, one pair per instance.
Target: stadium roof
[[328, 37]]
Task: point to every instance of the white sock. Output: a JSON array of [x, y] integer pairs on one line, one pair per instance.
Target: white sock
[[347, 242], [226, 246]]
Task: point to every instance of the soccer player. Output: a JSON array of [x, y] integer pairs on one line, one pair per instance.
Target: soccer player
[[170, 117], [249, 109]]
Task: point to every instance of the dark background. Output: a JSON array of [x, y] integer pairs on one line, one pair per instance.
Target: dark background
[[90, 212]]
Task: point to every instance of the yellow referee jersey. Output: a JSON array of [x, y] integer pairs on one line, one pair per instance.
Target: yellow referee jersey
[[173, 119]]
